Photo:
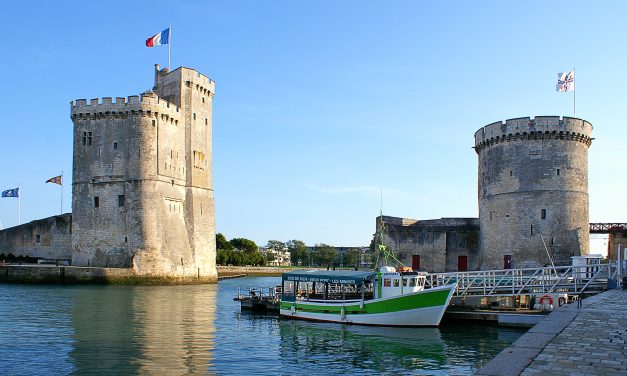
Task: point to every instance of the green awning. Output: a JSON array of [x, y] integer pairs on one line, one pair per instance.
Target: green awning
[[328, 276]]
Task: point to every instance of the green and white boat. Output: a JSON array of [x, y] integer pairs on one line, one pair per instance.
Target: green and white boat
[[386, 297]]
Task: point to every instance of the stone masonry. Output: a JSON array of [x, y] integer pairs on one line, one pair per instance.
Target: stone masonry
[[47, 238], [533, 192], [436, 245], [533, 185], [142, 182]]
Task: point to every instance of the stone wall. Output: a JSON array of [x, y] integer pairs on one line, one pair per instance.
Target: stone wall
[[438, 242], [48, 238], [533, 185]]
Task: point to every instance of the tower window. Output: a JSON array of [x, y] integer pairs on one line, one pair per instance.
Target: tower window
[[194, 116], [37, 238], [206, 122], [84, 138], [89, 138], [543, 214], [510, 173], [96, 202], [558, 172], [203, 99], [531, 233], [120, 200], [115, 145], [154, 122]]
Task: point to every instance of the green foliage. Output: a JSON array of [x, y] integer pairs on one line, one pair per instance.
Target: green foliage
[[245, 245], [276, 245], [324, 254], [222, 243], [298, 252], [239, 258], [353, 257]]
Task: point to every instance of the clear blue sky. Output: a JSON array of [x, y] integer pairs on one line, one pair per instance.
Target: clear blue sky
[[320, 104]]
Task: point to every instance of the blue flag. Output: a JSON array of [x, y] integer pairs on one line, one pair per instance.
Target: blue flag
[[15, 192]]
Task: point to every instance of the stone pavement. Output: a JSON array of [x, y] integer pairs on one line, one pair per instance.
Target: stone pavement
[[590, 340]]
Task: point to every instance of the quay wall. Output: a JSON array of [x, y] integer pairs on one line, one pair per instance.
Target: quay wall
[[90, 275], [48, 238], [583, 340], [253, 270]]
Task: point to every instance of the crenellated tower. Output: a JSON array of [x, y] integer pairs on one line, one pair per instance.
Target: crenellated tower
[[142, 179], [533, 191]]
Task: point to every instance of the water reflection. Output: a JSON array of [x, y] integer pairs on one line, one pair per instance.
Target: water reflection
[[361, 349], [173, 330], [143, 330]]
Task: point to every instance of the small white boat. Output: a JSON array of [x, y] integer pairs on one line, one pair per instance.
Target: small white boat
[[386, 297]]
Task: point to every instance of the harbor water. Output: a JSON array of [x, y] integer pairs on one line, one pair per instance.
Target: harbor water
[[199, 330]]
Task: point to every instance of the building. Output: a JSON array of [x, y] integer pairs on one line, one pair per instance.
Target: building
[[533, 203], [276, 257], [142, 194]]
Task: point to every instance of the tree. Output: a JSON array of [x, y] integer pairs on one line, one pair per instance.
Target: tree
[[273, 248], [353, 257], [276, 245], [298, 251], [244, 245], [325, 253], [222, 243]]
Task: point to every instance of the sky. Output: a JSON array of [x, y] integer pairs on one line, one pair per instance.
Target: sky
[[320, 105]]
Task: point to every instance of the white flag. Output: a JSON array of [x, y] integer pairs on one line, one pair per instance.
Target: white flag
[[565, 81]]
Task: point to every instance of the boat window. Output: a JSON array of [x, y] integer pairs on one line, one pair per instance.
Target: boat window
[[396, 283], [405, 282], [412, 282], [387, 282]]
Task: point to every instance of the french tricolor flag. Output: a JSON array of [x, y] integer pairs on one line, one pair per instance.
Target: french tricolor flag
[[159, 39]]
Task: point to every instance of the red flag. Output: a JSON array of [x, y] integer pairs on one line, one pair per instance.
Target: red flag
[[55, 180]]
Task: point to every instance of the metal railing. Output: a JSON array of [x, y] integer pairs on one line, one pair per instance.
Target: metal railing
[[573, 280]]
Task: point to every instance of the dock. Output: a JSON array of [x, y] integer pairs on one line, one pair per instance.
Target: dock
[[572, 340], [259, 299]]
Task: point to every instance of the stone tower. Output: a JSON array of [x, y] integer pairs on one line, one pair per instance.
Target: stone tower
[[533, 185], [142, 180]]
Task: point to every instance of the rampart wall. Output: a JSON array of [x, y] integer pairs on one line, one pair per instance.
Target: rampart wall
[[438, 243], [48, 238]]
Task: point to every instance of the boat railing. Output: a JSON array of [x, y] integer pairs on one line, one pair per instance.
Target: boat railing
[[573, 280], [258, 293]]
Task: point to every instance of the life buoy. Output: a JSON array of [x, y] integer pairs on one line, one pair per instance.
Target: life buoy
[[546, 297]]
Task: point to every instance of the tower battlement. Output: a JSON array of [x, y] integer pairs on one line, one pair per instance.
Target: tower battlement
[[122, 104], [540, 127]]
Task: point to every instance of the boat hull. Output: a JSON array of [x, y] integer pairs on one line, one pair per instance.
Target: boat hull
[[424, 308]]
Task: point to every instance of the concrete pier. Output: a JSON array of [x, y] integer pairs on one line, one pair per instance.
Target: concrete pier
[[590, 340]]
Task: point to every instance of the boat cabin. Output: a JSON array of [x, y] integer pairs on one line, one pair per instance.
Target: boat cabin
[[332, 286]]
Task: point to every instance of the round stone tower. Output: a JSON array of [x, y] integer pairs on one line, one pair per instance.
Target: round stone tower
[[533, 191]]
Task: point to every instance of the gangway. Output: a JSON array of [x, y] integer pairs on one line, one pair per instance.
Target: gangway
[[569, 280]]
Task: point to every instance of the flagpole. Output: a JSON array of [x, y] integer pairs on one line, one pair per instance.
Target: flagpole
[[61, 191], [19, 204], [574, 92], [169, 43]]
